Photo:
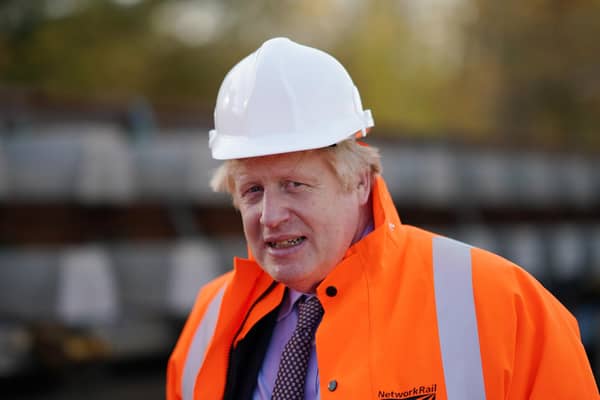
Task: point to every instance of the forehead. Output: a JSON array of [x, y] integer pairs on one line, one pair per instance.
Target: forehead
[[296, 163]]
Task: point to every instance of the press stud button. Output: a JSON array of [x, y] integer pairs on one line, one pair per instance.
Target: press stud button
[[331, 291], [332, 385]]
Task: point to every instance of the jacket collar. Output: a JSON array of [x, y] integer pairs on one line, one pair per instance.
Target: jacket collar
[[256, 293]]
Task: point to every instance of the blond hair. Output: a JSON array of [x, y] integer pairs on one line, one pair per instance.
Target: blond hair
[[347, 160]]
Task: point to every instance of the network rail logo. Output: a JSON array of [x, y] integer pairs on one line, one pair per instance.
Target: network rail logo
[[416, 393]]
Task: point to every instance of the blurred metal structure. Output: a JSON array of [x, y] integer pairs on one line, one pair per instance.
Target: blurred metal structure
[[111, 295], [98, 164]]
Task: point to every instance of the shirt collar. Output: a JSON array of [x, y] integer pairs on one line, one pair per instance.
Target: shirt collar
[[289, 300], [368, 229]]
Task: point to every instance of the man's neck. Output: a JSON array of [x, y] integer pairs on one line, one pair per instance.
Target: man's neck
[[365, 221]]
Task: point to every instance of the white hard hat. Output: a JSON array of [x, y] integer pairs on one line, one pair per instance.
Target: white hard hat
[[285, 97]]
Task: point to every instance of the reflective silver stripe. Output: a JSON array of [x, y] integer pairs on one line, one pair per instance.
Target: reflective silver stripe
[[202, 337], [457, 321]]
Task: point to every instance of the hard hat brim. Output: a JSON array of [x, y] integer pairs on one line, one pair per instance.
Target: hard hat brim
[[228, 147]]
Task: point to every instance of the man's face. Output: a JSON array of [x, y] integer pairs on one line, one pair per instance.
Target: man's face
[[297, 219]]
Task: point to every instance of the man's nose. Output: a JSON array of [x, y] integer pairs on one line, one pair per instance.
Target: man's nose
[[274, 209]]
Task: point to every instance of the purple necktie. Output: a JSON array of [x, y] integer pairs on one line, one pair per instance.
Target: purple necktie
[[289, 384]]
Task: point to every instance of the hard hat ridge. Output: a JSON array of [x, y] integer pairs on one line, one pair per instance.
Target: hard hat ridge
[[285, 97]]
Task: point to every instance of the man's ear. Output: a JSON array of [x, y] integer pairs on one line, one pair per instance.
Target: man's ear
[[363, 188]]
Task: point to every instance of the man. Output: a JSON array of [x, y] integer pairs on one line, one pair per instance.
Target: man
[[338, 299]]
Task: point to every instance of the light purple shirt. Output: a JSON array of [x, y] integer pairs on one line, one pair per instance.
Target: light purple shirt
[[284, 328]]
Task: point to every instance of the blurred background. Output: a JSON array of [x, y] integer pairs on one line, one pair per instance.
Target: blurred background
[[487, 114]]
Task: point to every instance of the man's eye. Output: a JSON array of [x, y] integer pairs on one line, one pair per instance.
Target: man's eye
[[253, 189], [294, 184]]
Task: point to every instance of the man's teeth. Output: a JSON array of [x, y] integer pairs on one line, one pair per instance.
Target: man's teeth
[[287, 243]]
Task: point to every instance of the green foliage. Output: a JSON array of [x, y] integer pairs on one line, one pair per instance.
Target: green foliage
[[507, 71], [546, 57]]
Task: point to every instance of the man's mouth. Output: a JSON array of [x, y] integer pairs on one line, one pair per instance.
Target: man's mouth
[[284, 244]]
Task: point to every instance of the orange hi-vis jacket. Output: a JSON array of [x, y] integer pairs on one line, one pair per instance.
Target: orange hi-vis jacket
[[408, 315]]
